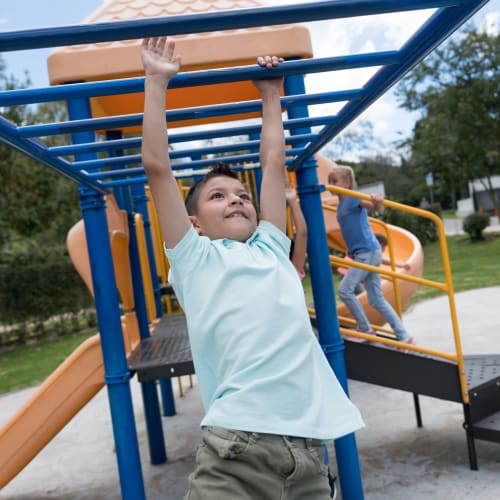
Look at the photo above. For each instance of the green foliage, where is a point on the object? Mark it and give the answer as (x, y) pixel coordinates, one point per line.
(35, 202)
(473, 265)
(424, 229)
(352, 139)
(456, 89)
(400, 181)
(474, 225)
(28, 365)
(39, 282)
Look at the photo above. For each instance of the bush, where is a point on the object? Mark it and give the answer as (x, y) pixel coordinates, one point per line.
(474, 225)
(38, 284)
(424, 229)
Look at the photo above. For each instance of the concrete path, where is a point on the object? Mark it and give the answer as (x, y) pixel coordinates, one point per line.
(398, 460)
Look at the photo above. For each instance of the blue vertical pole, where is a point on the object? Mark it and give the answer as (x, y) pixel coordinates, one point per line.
(157, 450)
(324, 298)
(117, 375)
(140, 204)
(120, 192)
(258, 171)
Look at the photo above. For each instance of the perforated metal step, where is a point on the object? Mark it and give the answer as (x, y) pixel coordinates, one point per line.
(166, 353)
(488, 429)
(481, 369)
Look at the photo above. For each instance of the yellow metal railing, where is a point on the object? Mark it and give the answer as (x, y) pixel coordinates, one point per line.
(446, 286)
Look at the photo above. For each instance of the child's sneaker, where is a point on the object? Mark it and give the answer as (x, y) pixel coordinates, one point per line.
(359, 339)
(355, 339)
(410, 340)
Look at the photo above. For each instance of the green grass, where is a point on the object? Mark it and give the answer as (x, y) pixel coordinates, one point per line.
(28, 365)
(473, 265)
(448, 214)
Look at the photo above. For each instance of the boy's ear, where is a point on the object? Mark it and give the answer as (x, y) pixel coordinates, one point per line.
(196, 223)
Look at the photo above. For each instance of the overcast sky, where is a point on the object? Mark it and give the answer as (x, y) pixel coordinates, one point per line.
(329, 38)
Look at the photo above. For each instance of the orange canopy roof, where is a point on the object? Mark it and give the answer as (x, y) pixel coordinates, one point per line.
(106, 61)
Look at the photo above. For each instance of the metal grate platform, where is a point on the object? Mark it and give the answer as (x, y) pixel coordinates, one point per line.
(166, 353)
(481, 369)
(488, 428)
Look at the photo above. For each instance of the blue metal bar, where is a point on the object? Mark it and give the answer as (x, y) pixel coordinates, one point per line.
(196, 78)
(39, 152)
(200, 112)
(324, 298)
(135, 143)
(134, 159)
(189, 173)
(141, 207)
(71, 149)
(206, 22)
(156, 440)
(150, 393)
(176, 154)
(167, 397)
(115, 364)
(108, 312)
(441, 25)
(121, 194)
(77, 109)
(194, 164)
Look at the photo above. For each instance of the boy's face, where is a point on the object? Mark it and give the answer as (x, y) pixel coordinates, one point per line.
(225, 210)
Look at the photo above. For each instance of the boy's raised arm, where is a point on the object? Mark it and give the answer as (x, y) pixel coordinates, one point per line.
(161, 66)
(272, 148)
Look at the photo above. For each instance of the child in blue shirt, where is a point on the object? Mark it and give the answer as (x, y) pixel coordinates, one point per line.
(362, 247)
(270, 396)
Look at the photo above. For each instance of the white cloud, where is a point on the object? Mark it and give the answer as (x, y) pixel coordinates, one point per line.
(357, 35)
(491, 23)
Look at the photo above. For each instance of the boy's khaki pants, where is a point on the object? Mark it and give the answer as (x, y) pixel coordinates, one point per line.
(235, 465)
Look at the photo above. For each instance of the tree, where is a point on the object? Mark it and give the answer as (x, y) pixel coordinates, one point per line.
(457, 90)
(35, 202)
(355, 139)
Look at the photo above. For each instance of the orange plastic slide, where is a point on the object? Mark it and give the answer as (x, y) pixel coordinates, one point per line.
(78, 379)
(406, 249)
(74, 383)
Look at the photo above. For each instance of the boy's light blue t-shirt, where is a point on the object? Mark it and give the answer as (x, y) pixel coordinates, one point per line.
(259, 366)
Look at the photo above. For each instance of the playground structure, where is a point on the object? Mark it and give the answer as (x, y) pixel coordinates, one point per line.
(109, 103)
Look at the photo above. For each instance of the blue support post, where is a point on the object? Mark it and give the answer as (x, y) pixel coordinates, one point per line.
(121, 192)
(156, 440)
(140, 204)
(117, 375)
(324, 298)
(258, 171)
(167, 397)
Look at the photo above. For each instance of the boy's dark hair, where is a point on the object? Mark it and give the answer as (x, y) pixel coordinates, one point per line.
(218, 170)
(381, 239)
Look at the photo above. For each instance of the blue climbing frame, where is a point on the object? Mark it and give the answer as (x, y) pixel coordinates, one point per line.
(122, 173)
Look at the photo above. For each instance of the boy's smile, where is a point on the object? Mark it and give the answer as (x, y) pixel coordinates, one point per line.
(225, 210)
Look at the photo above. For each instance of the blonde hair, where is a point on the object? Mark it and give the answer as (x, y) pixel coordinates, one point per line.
(345, 172)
